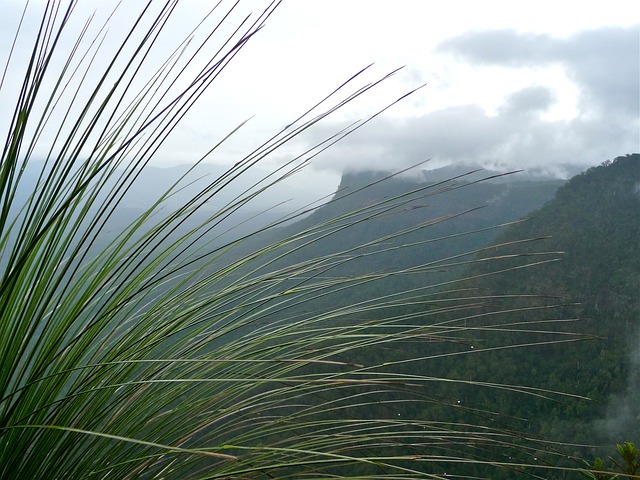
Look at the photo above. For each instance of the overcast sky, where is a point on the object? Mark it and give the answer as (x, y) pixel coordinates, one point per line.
(535, 85)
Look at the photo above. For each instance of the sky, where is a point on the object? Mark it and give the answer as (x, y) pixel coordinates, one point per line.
(550, 87)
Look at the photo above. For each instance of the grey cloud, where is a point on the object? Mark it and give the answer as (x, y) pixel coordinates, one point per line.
(604, 63)
(529, 100)
(468, 135)
(462, 133)
(500, 47)
(607, 64)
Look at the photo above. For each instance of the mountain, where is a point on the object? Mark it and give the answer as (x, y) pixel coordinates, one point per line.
(147, 186)
(595, 220)
(569, 326)
(381, 223)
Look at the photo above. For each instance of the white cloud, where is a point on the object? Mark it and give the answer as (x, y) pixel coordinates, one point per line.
(518, 85)
(520, 133)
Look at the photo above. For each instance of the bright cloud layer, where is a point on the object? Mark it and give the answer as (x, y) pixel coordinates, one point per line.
(602, 64)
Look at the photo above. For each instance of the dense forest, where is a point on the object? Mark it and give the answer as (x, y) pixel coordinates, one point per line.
(428, 225)
(504, 311)
(595, 221)
(562, 331)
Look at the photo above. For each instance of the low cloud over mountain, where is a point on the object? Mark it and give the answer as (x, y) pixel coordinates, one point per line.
(603, 65)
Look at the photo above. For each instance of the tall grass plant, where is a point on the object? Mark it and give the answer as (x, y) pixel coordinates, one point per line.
(163, 353)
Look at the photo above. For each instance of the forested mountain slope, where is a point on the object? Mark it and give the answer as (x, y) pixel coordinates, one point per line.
(433, 218)
(593, 226)
(595, 220)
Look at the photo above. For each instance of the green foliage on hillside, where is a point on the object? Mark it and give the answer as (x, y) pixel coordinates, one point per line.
(588, 269)
(595, 221)
(434, 226)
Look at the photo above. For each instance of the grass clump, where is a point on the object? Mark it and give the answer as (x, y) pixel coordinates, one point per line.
(161, 353)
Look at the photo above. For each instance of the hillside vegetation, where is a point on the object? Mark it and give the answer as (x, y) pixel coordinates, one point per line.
(587, 267)
(595, 221)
